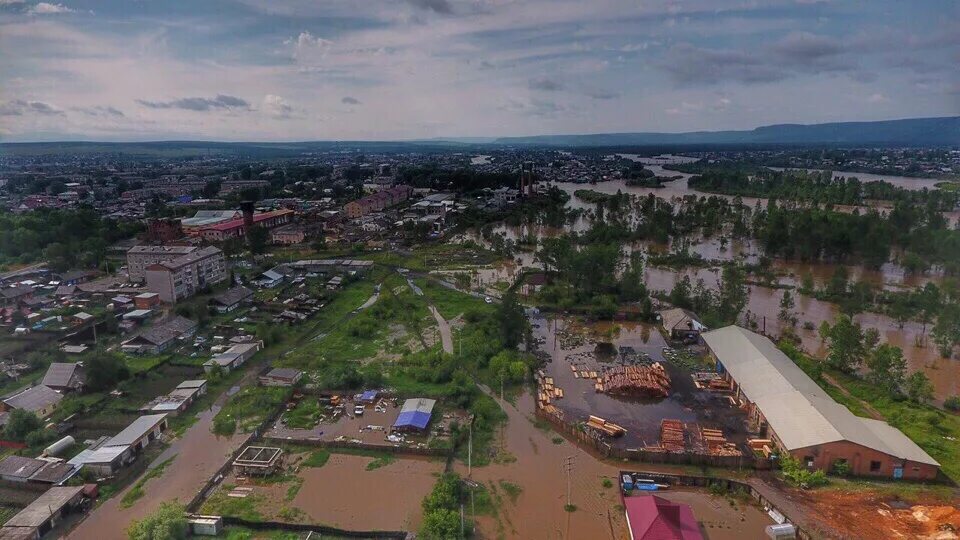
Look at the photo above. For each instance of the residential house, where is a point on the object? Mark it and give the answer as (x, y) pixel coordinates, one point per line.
(681, 324)
(231, 299)
(40, 400)
(160, 336)
(64, 377)
(654, 518)
(182, 277)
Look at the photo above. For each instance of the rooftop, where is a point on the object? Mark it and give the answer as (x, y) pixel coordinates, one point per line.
(137, 429)
(34, 398)
(60, 373)
(799, 411)
(39, 510)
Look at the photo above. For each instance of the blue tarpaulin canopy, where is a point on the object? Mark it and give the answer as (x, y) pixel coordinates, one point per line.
(415, 413)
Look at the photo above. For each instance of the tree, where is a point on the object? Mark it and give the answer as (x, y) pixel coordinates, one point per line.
(786, 309)
(887, 368)
(946, 332)
(105, 370)
(259, 237)
(847, 343)
(20, 424)
(441, 524)
(507, 367)
(919, 388)
(733, 295)
(512, 321)
(167, 523)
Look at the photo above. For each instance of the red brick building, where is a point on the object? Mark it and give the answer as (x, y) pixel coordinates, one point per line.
(786, 406)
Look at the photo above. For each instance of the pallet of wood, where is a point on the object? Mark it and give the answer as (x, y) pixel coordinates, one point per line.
(558, 392)
(672, 435)
(609, 428)
(649, 381)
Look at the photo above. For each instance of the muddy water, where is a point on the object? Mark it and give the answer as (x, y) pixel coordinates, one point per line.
(198, 454)
(344, 494)
(640, 417)
(764, 306)
(538, 512)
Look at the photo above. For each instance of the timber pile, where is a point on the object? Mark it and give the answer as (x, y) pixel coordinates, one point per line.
(609, 428)
(717, 444)
(644, 381)
(672, 435)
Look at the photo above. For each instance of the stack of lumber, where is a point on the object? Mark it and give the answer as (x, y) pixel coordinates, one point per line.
(717, 444)
(646, 381)
(609, 428)
(764, 446)
(672, 437)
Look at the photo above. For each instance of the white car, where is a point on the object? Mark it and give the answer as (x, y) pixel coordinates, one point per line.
(358, 410)
(487, 299)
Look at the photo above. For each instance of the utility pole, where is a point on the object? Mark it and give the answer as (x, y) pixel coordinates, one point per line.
(461, 521)
(470, 455)
(568, 465)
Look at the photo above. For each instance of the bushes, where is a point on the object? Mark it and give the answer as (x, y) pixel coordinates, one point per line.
(441, 518)
(952, 403)
(797, 474)
(167, 523)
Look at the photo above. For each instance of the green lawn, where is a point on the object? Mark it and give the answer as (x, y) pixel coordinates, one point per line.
(451, 303)
(248, 408)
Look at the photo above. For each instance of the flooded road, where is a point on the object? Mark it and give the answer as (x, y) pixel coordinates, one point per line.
(538, 512)
(197, 455)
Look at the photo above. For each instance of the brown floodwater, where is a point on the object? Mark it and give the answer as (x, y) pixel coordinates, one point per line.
(344, 494)
(197, 455)
(538, 470)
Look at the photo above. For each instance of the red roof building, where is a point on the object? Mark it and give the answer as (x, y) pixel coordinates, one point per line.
(654, 518)
(236, 227)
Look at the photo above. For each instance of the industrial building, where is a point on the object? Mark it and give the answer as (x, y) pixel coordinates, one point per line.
(786, 406)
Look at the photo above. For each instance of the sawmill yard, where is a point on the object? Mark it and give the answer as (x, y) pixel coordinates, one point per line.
(628, 387)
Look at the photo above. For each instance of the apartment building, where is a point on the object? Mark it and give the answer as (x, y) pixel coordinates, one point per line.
(140, 257)
(180, 278)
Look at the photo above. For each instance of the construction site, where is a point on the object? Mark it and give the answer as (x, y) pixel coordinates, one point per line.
(623, 386)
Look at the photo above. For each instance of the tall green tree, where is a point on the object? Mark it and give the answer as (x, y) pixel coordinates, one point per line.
(946, 331)
(847, 343)
(512, 321)
(887, 368)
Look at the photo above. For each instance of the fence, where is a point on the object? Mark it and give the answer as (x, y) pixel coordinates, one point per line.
(607, 450)
(728, 485)
(399, 450)
(322, 529)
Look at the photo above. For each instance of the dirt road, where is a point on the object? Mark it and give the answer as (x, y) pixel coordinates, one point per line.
(446, 338)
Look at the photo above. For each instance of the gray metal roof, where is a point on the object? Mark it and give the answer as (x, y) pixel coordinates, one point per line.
(419, 405)
(233, 296)
(137, 429)
(60, 373)
(20, 467)
(39, 510)
(171, 329)
(34, 398)
(800, 412)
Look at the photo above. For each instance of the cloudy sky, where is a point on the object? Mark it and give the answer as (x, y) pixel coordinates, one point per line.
(401, 69)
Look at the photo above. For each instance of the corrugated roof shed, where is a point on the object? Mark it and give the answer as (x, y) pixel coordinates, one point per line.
(137, 429)
(799, 411)
(59, 374)
(39, 510)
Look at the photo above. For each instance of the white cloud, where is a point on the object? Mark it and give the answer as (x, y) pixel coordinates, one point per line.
(877, 97)
(46, 8)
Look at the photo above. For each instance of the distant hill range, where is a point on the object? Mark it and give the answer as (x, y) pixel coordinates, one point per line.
(909, 132)
(912, 132)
